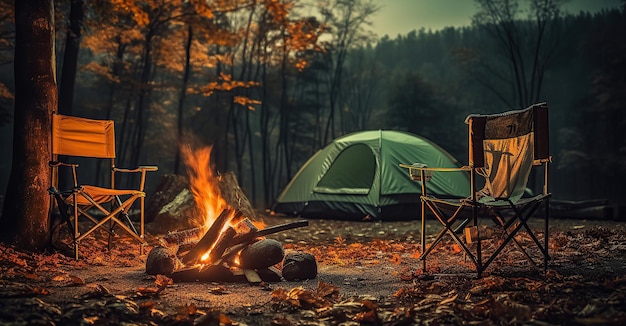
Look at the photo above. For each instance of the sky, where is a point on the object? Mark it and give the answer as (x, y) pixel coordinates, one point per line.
(402, 16)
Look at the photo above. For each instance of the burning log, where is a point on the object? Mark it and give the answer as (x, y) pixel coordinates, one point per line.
(256, 255)
(208, 239)
(231, 252)
(245, 226)
(241, 241)
(210, 273)
(249, 237)
(222, 243)
(182, 238)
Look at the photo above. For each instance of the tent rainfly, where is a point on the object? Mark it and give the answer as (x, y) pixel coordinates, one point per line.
(358, 177)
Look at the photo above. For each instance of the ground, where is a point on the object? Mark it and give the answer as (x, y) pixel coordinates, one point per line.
(368, 274)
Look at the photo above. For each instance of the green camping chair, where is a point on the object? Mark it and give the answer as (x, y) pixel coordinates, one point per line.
(503, 148)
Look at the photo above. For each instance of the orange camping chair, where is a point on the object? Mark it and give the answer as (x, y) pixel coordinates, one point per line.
(80, 137)
(503, 149)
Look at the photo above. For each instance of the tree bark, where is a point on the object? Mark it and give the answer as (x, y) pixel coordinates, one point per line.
(181, 98)
(70, 58)
(24, 220)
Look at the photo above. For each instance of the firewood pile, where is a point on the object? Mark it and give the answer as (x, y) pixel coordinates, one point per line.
(231, 249)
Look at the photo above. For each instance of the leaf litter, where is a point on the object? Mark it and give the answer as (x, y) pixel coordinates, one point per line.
(368, 275)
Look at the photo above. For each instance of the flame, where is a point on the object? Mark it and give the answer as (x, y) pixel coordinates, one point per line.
(204, 184)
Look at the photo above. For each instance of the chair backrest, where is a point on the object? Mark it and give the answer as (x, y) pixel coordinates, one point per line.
(75, 136)
(504, 147)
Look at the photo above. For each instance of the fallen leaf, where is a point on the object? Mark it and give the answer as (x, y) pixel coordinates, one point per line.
(448, 300)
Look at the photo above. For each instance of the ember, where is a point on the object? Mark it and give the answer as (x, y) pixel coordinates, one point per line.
(227, 246)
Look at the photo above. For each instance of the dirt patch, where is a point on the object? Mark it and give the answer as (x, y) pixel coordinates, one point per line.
(368, 274)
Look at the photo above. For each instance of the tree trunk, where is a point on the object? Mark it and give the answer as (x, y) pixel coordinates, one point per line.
(24, 220)
(70, 58)
(181, 98)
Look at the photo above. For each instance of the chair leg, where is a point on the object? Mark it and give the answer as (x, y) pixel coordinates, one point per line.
(522, 216)
(110, 240)
(142, 205)
(546, 256)
(76, 231)
(423, 235)
(501, 222)
(448, 228)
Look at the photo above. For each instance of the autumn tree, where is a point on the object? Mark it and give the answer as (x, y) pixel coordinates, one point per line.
(70, 57)
(346, 21)
(362, 86)
(528, 46)
(141, 52)
(7, 37)
(283, 41)
(602, 145)
(24, 218)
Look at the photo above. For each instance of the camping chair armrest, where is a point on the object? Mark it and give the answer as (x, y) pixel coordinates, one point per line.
(542, 161)
(57, 163)
(143, 169)
(418, 171)
(462, 168)
(138, 169)
(437, 169)
(55, 166)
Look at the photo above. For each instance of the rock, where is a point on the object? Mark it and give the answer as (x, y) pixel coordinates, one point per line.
(179, 214)
(299, 266)
(162, 260)
(172, 207)
(270, 274)
(262, 254)
(169, 186)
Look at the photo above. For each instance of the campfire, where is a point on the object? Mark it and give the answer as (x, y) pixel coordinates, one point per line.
(227, 245)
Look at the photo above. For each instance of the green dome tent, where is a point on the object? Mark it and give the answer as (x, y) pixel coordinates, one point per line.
(358, 176)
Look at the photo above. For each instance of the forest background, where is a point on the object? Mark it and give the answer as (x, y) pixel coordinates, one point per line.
(267, 84)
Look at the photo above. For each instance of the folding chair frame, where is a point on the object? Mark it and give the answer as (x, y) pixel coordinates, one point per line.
(81, 201)
(453, 222)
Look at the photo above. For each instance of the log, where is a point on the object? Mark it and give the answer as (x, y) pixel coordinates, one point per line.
(252, 276)
(282, 227)
(220, 246)
(234, 195)
(182, 238)
(261, 254)
(249, 237)
(231, 252)
(245, 226)
(241, 241)
(209, 238)
(162, 260)
(299, 266)
(209, 273)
